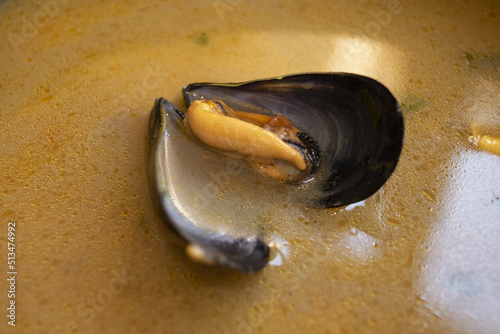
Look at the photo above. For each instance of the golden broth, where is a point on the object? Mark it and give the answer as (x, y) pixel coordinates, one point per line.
(77, 84)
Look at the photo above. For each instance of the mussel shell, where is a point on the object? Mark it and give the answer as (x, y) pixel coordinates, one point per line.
(247, 254)
(355, 120)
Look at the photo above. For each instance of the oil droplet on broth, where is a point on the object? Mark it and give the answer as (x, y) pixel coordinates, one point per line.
(393, 221)
(430, 194)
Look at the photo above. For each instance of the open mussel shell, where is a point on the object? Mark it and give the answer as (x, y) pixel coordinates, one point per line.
(247, 254)
(355, 120)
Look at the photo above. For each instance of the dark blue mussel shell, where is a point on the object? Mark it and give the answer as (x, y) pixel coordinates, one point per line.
(244, 254)
(355, 120)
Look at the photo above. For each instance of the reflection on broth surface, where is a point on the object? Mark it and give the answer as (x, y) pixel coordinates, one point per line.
(77, 84)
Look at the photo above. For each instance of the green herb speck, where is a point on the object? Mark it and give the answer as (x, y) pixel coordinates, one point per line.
(470, 60)
(202, 39)
(412, 103)
(482, 61)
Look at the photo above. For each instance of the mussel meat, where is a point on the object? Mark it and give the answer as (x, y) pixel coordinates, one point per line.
(270, 143)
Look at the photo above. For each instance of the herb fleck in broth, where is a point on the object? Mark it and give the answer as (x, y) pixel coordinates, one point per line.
(77, 85)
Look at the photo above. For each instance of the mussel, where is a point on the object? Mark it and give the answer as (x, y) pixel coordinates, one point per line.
(347, 129)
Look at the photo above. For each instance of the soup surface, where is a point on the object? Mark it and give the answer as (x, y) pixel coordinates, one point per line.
(77, 82)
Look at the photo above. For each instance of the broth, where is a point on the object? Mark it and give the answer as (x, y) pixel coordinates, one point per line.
(77, 84)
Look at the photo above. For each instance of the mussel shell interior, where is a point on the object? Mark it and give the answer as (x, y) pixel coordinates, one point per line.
(355, 120)
(175, 205)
